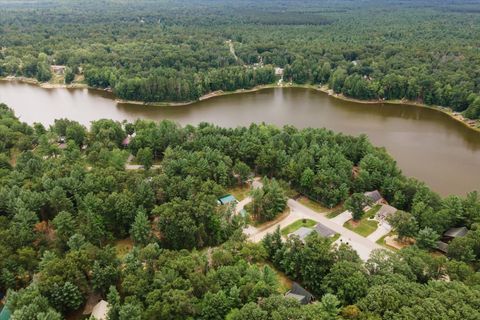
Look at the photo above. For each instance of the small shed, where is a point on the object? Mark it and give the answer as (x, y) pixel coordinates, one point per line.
(100, 310)
(279, 71)
(324, 231)
(227, 199)
(455, 233)
(374, 196)
(300, 294)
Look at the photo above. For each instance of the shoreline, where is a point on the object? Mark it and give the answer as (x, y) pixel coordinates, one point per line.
(324, 89)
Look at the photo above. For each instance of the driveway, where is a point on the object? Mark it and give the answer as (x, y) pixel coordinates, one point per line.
(362, 245)
(382, 230)
(342, 218)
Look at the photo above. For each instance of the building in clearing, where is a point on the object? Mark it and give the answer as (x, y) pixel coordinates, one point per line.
(301, 233)
(60, 70)
(227, 199)
(279, 71)
(375, 197)
(300, 294)
(324, 231)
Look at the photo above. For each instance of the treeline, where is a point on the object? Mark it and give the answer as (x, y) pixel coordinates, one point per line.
(154, 51)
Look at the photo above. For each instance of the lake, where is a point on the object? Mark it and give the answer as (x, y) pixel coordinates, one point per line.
(427, 144)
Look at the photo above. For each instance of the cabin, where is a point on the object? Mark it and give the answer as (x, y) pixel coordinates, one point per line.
(300, 294)
(453, 233)
(449, 235)
(375, 197)
(384, 212)
(59, 70)
(279, 71)
(227, 199)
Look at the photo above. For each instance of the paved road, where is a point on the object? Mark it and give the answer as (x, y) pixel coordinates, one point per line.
(298, 211)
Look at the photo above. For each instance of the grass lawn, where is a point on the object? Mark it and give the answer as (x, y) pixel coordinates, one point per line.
(307, 223)
(315, 206)
(364, 227)
(239, 193)
(336, 211)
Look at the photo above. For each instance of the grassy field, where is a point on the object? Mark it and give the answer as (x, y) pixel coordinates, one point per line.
(307, 223)
(364, 227)
(336, 211)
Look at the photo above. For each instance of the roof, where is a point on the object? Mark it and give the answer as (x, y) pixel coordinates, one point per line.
(324, 231)
(456, 232)
(385, 211)
(227, 199)
(374, 195)
(5, 314)
(299, 293)
(301, 233)
(100, 311)
(442, 246)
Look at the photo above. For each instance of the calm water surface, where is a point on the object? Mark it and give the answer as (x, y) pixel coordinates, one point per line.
(427, 144)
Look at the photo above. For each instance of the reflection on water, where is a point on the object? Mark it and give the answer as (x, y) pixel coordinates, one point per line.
(427, 144)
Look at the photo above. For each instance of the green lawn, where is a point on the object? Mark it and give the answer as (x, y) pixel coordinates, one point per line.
(335, 212)
(364, 227)
(307, 223)
(315, 206)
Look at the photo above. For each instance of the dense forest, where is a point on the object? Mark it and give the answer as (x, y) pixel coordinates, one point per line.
(174, 50)
(67, 202)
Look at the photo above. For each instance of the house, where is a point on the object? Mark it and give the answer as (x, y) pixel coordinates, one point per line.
(302, 233)
(100, 310)
(375, 197)
(279, 71)
(453, 233)
(60, 70)
(324, 231)
(227, 199)
(300, 294)
(384, 212)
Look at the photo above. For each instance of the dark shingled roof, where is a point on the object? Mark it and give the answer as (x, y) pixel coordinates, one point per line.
(324, 231)
(300, 294)
(442, 246)
(456, 232)
(374, 195)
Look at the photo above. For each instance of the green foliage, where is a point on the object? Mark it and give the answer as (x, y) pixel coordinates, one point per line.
(268, 201)
(355, 203)
(145, 157)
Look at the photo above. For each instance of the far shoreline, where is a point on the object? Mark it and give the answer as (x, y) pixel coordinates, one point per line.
(324, 89)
